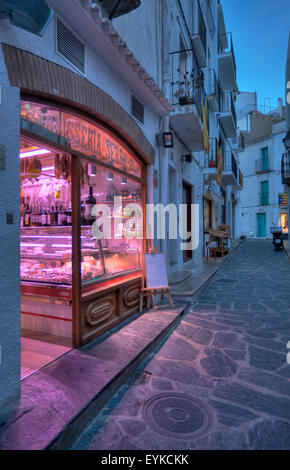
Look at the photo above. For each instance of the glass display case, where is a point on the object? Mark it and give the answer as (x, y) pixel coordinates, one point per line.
(46, 255)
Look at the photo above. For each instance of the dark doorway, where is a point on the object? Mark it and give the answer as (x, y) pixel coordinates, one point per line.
(187, 199)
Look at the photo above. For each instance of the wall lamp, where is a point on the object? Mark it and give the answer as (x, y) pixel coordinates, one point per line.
(286, 140)
(168, 140)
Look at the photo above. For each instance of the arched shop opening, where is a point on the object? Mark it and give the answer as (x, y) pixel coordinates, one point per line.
(76, 286)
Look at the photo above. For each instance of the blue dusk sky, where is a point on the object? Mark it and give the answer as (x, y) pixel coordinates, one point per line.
(260, 30)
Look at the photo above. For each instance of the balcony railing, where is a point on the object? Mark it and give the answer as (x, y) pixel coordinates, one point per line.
(225, 45)
(201, 28)
(213, 87)
(264, 198)
(230, 164)
(186, 79)
(238, 143)
(209, 16)
(211, 159)
(263, 165)
(227, 105)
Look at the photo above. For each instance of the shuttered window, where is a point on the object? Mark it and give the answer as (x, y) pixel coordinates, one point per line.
(137, 110)
(70, 47)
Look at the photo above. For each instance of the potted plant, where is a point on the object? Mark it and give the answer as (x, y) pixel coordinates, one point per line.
(184, 93)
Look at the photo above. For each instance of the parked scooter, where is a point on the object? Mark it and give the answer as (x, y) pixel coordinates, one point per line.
(277, 237)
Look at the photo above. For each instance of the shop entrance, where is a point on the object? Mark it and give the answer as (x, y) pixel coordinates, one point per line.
(81, 270)
(46, 255)
(284, 222)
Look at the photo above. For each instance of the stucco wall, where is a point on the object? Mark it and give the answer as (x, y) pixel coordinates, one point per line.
(9, 243)
(97, 71)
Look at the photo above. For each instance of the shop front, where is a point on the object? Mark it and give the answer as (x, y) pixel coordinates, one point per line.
(82, 205)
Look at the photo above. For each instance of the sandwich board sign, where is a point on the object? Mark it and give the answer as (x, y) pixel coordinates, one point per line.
(156, 276)
(156, 271)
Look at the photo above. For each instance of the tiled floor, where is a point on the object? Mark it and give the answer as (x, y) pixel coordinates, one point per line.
(39, 349)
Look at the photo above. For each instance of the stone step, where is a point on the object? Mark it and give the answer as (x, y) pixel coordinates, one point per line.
(61, 399)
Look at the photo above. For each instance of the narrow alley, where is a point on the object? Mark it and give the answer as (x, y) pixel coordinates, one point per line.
(221, 380)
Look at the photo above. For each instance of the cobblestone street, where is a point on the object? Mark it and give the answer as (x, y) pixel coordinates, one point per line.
(229, 352)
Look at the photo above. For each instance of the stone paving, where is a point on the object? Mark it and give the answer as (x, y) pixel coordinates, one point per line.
(230, 352)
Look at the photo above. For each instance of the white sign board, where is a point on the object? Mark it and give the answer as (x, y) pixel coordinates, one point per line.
(156, 271)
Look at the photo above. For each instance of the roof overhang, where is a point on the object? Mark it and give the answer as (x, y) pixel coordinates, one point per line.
(88, 20)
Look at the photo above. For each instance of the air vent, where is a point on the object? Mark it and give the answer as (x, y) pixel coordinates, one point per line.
(137, 110)
(70, 47)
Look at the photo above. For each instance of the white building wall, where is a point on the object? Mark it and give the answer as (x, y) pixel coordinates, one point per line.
(152, 31)
(250, 202)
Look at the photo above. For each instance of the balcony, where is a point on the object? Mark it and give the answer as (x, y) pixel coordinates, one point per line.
(213, 92)
(31, 16)
(263, 165)
(210, 169)
(264, 198)
(230, 169)
(240, 181)
(227, 116)
(285, 167)
(227, 62)
(186, 86)
(199, 38)
(115, 9)
(238, 143)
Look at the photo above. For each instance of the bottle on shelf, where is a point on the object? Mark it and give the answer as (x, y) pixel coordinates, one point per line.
(83, 211)
(39, 217)
(48, 221)
(32, 217)
(61, 215)
(43, 217)
(69, 217)
(52, 217)
(27, 216)
(56, 215)
(89, 204)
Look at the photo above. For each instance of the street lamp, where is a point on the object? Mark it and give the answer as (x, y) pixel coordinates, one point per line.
(286, 140)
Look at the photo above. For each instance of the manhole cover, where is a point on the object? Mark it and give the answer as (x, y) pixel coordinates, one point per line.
(177, 415)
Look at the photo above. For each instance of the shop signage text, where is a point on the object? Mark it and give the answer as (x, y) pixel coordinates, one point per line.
(82, 136)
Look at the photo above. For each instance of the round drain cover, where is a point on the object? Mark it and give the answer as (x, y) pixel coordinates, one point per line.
(177, 415)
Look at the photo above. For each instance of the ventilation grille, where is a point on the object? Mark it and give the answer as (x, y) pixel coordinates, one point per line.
(70, 47)
(137, 110)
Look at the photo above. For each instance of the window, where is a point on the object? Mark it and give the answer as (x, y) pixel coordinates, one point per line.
(113, 246)
(137, 110)
(264, 199)
(264, 159)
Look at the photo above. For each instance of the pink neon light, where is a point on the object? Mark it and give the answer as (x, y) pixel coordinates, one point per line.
(32, 244)
(47, 168)
(34, 153)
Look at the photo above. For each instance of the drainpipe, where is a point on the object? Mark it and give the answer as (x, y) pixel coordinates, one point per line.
(229, 207)
(164, 153)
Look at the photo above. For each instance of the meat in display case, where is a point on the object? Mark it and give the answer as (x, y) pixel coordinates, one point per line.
(46, 256)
